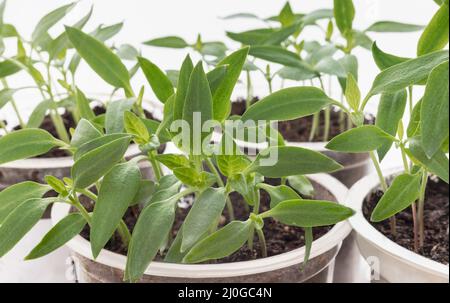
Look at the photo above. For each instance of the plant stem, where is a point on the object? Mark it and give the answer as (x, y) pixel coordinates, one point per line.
(326, 132)
(214, 170)
(262, 242)
(413, 205)
(249, 91)
(314, 127)
(124, 233)
(155, 165)
(14, 105)
(420, 213)
(384, 187)
(76, 203)
(410, 99)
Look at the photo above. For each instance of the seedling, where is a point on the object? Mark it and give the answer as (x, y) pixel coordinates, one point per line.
(99, 163)
(424, 143)
(52, 67)
(312, 61)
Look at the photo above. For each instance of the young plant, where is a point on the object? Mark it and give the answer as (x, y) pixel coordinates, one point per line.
(312, 61)
(52, 67)
(424, 143)
(99, 164)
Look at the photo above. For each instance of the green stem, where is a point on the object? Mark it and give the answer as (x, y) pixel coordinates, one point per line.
(410, 99)
(420, 213)
(14, 105)
(315, 125)
(249, 91)
(124, 233)
(262, 242)
(384, 187)
(76, 203)
(155, 165)
(326, 133)
(214, 170)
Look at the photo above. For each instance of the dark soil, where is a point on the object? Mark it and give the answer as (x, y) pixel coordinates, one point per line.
(280, 238)
(436, 222)
(69, 123)
(298, 130)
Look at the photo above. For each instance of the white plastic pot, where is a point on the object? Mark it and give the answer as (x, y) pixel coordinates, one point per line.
(109, 266)
(390, 261)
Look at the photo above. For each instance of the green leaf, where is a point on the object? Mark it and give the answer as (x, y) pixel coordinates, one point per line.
(48, 21)
(170, 42)
(84, 133)
(277, 162)
(309, 213)
(216, 76)
(302, 185)
(434, 112)
(350, 65)
(83, 107)
(361, 39)
(318, 14)
(330, 66)
(161, 85)
(198, 100)
(60, 234)
(145, 193)
(94, 164)
(240, 16)
(173, 161)
(95, 143)
(14, 195)
(437, 165)
(134, 126)
(114, 118)
(414, 121)
(408, 73)
(192, 177)
(288, 104)
(9, 67)
(25, 143)
(150, 232)
(251, 37)
(222, 95)
(384, 60)
(20, 221)
(279, 55)
(296, 73)
(360, 140)
(119, 187)
(168, 186)
(56, 184)
(37, 116)
(404, 190)
(127, 52)
(352, 92)
(279, 193)
(100, 58)
(281, 35)
(230, 160)
(286, 16)
(205, 210)
(344, 13)
(220, 244)
(61, 43)
(390, 111)
(183, 83)
(5, 95)
(435, 35)
(393, 27)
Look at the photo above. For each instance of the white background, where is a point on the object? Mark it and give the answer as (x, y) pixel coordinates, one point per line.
(186, 18)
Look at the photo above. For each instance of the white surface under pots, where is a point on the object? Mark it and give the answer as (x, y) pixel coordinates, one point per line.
(390, 261)
(280, 267)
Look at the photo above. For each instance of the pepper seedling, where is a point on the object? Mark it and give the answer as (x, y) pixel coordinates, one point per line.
(99, 163)
(52, 67)
(424, 143)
